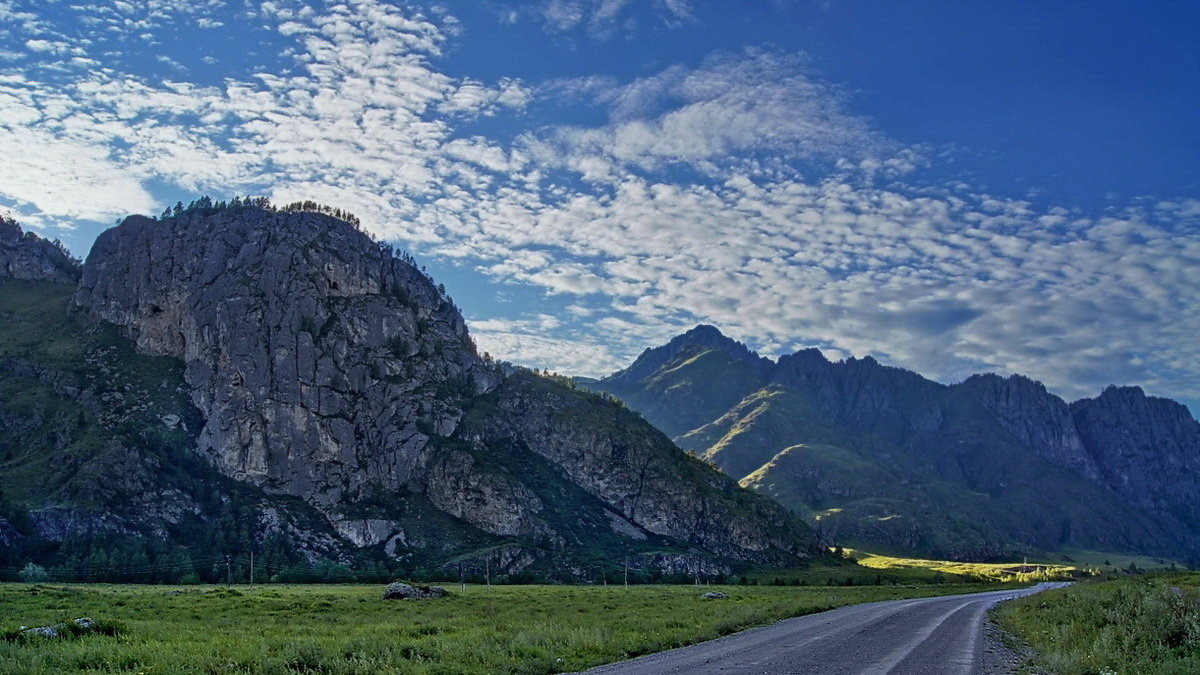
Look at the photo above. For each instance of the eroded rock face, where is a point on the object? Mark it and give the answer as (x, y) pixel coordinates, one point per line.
(24, 255)
(1148, 447)
(1036, 418)
(648, 485)
(321, 362)
(326, 368)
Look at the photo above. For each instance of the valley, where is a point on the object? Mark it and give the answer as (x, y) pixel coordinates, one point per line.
(349, 629)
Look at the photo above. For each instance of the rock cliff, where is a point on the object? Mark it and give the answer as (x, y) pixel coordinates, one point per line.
(1147, 449)
(322, 363)
(325, 368)
(26, 256)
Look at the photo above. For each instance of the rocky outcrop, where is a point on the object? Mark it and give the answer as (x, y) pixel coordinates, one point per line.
(399, 590)
(647, 483)
(859, 392)
(322, 363)
(24, 255)
(1036, 418)
(1147, 448)
(327, 368)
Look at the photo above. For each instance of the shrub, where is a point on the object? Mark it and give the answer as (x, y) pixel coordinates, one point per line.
(32, 574)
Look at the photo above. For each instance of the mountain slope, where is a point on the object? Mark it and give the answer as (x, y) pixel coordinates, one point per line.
(881, 457)
(334, 387)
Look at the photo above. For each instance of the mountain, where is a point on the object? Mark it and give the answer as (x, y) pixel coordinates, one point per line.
(883, 458)
(24, 255)
(235, 377)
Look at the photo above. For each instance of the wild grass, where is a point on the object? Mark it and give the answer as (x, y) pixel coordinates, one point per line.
(350, 629)
(1144, 624)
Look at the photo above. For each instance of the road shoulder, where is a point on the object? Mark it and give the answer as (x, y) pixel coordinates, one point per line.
(1003, 653)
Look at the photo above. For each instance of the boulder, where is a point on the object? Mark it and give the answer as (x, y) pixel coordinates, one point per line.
(81, 625)
(402, 591)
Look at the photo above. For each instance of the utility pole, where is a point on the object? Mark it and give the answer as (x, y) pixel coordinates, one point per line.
(251, 569)
(487, 570)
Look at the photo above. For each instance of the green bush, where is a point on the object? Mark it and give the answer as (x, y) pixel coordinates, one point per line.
(33, 574)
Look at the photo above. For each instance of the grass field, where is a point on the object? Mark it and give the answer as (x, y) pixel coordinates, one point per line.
(1013, 571)
(1144, 625)
(349, 629)
(872, 569)
(1113, 562)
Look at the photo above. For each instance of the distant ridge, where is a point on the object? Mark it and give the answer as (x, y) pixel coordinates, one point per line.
(880, 456)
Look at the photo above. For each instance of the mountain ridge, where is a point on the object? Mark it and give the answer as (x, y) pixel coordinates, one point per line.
(948, 437)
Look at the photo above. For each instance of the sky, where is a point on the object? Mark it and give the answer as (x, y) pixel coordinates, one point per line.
(951, 187)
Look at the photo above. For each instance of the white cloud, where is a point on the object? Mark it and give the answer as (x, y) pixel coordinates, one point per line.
(761, 110)
(363, 115)
(742, 192)
(532, 340)
(601, 18)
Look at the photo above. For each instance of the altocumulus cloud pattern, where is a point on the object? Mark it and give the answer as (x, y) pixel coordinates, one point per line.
(597, 212)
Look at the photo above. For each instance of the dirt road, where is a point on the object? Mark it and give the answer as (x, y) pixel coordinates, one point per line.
(926, 636)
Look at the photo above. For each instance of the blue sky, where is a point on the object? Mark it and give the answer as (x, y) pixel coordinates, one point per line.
(952, 187)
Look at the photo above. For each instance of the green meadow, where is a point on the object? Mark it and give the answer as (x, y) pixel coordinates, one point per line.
(350, 629)
(1143, 625)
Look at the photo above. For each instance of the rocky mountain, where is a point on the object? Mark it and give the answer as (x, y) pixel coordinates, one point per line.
(1147, 449)
(24, 255)
(277, 372)
(883, 458)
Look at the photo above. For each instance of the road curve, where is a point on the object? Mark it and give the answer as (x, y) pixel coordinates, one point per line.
(926, 636)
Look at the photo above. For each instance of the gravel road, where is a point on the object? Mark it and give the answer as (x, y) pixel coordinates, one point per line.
(927, 636)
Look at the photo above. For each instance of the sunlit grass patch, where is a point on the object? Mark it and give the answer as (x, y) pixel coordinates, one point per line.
(1023, 571)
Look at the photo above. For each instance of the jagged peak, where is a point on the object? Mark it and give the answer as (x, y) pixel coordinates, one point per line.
(701, 336)
(804, 359)
(707, 335)
(1124, 391)
(1014, 381)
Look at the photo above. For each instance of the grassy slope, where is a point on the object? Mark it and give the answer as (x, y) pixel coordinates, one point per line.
(680, 398)
(1144, 625)
(966, 491)
(348, 629)
(572, 510)
(860, 568)
(92, 389)
(858, 500)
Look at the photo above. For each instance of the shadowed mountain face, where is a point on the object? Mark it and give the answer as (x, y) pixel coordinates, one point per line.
(24, 255)
(327, 386)
(881, 457)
